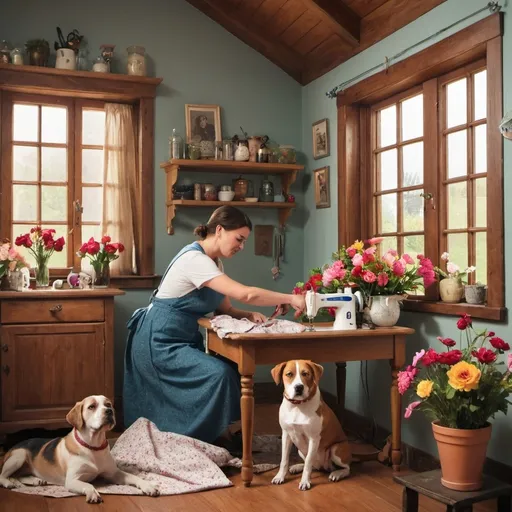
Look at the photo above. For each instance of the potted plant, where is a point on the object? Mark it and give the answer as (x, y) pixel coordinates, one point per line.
(475, 293)
(38, 51)
(384, 280)
(451, 282)
(460, 390)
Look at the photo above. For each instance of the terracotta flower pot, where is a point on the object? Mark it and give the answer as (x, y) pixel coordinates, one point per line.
(462, 456)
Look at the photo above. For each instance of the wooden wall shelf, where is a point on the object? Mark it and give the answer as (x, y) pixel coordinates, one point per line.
(287, 172)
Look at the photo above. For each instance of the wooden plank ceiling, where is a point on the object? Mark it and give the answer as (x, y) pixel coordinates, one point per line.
(308, 38)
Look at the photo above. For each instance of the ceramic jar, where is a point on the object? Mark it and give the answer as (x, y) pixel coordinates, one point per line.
(240, 186)
(475, 293)
(136, 64)
(242, 151)
(66, 59)
(385, 310)
(451, 289)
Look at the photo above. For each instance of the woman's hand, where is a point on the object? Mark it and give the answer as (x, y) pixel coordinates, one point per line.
(298, 303)
(256, 317)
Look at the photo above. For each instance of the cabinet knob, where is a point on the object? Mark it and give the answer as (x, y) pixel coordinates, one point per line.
(5, 347)
(56, 308)
(6, 369)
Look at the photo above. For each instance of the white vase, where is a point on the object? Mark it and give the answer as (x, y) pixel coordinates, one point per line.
(451, 289)
(385, 310)
(66, 59)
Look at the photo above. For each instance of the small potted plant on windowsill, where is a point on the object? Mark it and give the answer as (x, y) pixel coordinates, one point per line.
(38, 51)
(451, 282)
(475, 293)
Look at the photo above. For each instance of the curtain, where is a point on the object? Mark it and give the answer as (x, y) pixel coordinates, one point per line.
(120, 185)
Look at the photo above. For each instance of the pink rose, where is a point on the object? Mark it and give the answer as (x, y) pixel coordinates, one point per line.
(452, 268)
(417, 358)
(369, 276)
(388, 259)
(382, 279)
(411, 408)
(375, 240)
(351, 252)
(357, 260)
(398, 268)
(408, 259)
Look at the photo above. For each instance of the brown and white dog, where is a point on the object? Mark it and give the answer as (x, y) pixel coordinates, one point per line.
(74, 460)
(308, 423)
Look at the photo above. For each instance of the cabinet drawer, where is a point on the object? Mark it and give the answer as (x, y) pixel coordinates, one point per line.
(49, 311)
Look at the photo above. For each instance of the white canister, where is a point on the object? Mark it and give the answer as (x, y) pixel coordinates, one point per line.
(100, 66)
(66, 59)
(136, 64)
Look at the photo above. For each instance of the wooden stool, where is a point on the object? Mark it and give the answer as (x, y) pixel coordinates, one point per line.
(429, 484)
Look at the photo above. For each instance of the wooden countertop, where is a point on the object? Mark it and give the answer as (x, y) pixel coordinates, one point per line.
(67, 293)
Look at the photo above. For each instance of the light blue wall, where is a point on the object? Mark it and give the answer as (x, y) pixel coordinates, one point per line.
(199, 62)
(321, 225)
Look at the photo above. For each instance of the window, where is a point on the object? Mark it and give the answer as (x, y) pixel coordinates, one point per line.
(51, 154)
(417, 161)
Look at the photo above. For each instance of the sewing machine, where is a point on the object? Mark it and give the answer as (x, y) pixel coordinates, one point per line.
(346, 304)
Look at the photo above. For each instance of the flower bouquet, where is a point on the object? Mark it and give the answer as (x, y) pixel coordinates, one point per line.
(41, 243)
(460, 390)
(11, 262)
(100, 255)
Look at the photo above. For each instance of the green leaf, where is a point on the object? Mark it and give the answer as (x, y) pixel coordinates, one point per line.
(474, 408)
(450, 392)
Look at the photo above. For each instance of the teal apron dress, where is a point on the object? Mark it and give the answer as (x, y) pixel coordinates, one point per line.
(168, 377)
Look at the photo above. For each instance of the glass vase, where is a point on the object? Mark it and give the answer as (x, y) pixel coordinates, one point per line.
(101, 277)
(42, 275)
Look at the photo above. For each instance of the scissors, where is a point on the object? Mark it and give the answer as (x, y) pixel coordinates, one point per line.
(73, 39)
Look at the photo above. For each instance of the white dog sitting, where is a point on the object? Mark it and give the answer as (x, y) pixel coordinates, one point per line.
(74, 460)
(308, 423)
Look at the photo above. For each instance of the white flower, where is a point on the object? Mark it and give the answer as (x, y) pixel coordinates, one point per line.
(445, 256)
(452, 268)
(470, 269)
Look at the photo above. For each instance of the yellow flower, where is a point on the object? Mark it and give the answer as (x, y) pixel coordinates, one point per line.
(463, 376)
(424, 388)
(357, 245)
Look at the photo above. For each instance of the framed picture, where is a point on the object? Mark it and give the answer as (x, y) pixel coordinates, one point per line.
(202, 122)
(321, 146)
(322, 192)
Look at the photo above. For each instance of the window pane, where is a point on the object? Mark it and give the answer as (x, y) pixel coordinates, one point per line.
(480, 88)
(413, 211)
(481, 203)
(54, 164)
(456, 100)
(54, 205)
(24, 163)
(92, 166)
(480, 148)
(412, 164)
(412, 118)
(388, 211)
(481, 258)
(58, 259)
(25, 122)
(389, 242)
(458, 249)
(388, 166)
(93, 127)
(54, 124)
(24, 199)
(387, 127)
(414, 245)
(92, 200)
(457, 148)
(457, 206)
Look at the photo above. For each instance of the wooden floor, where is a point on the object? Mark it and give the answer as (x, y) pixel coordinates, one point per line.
(369, 488)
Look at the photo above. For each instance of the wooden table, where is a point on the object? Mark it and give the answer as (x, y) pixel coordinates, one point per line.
(322, 345)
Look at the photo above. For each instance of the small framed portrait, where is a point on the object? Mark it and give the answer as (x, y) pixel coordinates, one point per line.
(321, 145)
(202, 123)
(322, 187)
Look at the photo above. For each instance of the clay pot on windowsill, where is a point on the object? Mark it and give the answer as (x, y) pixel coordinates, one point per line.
(451, 290)
(475, 293)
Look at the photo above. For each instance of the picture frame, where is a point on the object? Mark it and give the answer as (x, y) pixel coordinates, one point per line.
(322, 187)
(202, 123)
(321, 143)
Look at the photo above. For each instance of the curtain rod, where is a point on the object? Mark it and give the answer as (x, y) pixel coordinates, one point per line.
(492, 6)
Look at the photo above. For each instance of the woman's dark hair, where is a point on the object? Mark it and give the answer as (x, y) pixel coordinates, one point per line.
(229, 217)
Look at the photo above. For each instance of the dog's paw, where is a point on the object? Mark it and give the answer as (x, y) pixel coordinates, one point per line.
(278, 479)
(339, 474)
(305, 485)
(32, 481)
(296, 468)
(6, 483)
(149, 489)
(92, 496)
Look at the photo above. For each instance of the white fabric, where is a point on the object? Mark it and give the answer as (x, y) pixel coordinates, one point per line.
(189, 272)
(225, 324)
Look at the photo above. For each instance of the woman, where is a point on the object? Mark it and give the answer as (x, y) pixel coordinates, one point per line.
(168, 377)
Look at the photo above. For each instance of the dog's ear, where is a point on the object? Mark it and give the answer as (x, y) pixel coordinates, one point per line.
(277, 372)
(74, 417)
(317, 371)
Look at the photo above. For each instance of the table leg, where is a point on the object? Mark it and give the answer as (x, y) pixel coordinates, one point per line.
(397, 363)
(341, 384)
(247, 407)
(409, 500)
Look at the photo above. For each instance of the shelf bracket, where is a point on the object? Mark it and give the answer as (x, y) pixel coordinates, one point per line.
(172, 177)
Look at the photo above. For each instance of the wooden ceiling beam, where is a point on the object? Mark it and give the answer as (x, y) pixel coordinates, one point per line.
(256, 37)
(344, 20)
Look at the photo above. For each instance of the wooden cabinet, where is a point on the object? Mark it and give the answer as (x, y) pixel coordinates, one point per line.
(56, 347)
(287, 173)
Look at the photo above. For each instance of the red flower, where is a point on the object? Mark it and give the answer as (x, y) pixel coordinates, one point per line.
(368, 258)
(296, 291)
(105, 239)
(120, 247)
(315, 281)
(398, 268)
(356, 271)
(369, 276)
(447, 341)
(110, 248)
(430, 357)
(332, 311)
(490, 334)
(464, 321)
(24, 240)
(450, 358)
(83, 249)
(484, 355)
(93, 247)
(351, 252)
(382, 279)
(499, 344)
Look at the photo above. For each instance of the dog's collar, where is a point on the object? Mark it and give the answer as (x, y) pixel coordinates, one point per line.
(80, 441)
(297, 402)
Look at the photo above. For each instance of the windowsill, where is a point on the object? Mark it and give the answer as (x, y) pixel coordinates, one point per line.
(127, 282)
(445, 308)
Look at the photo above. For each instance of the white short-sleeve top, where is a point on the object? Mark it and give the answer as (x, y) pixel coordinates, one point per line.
(189, 272)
